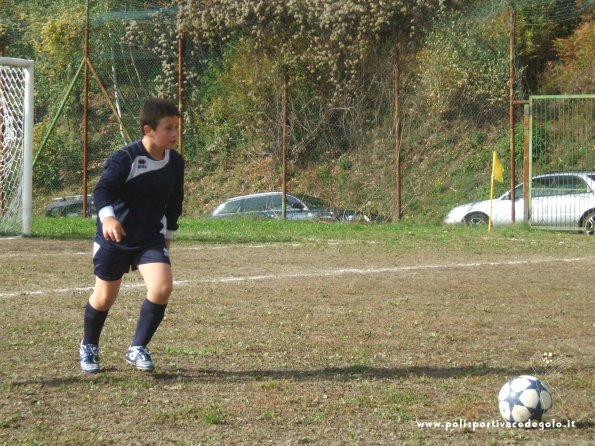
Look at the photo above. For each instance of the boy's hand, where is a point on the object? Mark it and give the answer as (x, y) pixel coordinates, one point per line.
(112, 229)
(167, 243)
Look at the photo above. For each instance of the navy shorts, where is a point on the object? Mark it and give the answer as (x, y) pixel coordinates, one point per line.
(112, 264)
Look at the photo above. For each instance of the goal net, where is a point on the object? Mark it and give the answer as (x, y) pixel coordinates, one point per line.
(16, 145)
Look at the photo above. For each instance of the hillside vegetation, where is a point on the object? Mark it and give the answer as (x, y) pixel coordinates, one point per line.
(335, 63)
(453, 79)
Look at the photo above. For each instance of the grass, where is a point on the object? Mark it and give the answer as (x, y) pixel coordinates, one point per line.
(65, 228)
(306, 345)
(213, 414)
(273, 231)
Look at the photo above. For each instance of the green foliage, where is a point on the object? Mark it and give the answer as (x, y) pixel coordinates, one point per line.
(46, 174)
(61, 163)
(502, 146)
(60, 38)
(538, 26)
(561, 134)
(339, 58)
(325, 49)
(236, 95)
(324, 173)
(463, 70)
(345, 162)
(573, 72)
(330, 39)
(3, 36)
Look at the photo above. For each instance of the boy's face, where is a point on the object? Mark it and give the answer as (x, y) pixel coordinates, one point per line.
(165, 136)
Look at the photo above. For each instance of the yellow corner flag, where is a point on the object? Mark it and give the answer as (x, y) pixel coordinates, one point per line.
(498, 175)
(497, 169)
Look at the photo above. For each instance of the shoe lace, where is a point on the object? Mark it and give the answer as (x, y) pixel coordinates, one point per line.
(142, 353)
(91, 350)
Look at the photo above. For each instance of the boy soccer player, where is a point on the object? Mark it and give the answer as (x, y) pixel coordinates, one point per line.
(139, 200)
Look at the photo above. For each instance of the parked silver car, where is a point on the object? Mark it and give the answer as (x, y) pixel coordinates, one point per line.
(70, 206)
(561, 200)
(298, 207)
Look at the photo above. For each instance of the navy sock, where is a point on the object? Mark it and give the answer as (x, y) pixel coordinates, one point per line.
(149, 319)
(93, 324)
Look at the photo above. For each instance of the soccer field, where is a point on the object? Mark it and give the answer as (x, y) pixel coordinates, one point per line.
(311, 342)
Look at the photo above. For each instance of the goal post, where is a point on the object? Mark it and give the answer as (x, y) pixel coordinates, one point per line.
(16, 145)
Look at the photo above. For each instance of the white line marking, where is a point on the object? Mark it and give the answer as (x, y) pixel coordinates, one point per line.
(394, 269)
(45, 254)
(316, 273)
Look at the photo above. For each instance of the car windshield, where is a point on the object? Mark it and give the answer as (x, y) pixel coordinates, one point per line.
(558, 185)
(552, 185)
(229, 207)
(276, 203)
(255, 204)
(313, 202)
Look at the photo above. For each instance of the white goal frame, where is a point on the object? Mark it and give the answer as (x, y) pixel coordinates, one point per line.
(26, 111)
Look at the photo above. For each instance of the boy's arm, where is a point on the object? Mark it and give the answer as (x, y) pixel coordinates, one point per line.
(111, 183)
(107, 190)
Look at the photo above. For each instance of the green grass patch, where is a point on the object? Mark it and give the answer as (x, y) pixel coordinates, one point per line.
(64, 227)
(213, 414)
(272, 231)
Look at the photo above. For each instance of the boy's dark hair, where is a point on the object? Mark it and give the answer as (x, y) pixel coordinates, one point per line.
(155, 109)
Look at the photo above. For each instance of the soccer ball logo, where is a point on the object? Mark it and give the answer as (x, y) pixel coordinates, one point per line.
(524, 398)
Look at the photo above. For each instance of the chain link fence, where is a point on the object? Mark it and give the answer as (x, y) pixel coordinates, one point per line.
(454, 94)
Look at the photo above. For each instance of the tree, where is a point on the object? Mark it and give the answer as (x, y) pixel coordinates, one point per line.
(324, 47)
(331, 39)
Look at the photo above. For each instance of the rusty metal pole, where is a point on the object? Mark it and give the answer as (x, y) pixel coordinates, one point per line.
(511, 85)
(397, 128)
(526, 161)
(107, 99)
(86, 111)
(284, 134)
(180, 92)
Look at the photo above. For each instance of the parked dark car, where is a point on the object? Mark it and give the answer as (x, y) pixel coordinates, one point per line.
(70, 206)
(298, 207)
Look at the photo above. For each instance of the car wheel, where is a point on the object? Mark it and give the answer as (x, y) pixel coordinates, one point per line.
(476, 219)
(589, 223)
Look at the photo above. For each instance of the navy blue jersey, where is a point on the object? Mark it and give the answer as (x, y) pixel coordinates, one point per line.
(144, 194)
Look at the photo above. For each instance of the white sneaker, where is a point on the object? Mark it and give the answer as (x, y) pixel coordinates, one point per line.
(139, 356)
(89, 358)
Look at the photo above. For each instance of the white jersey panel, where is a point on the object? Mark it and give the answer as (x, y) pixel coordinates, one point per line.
(145, 164)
